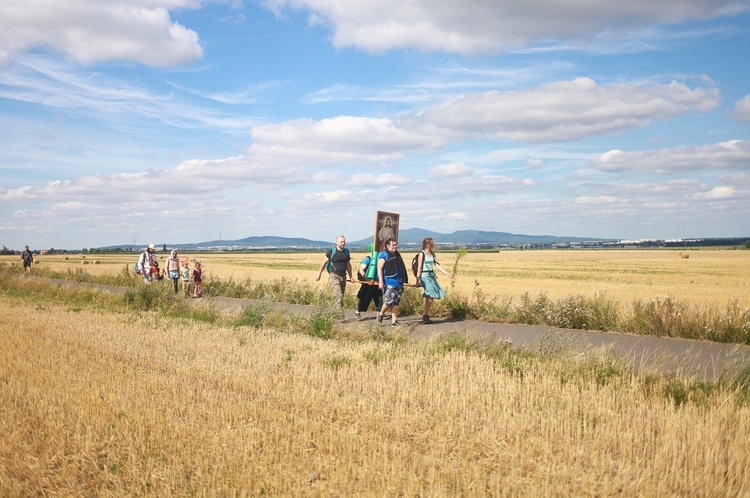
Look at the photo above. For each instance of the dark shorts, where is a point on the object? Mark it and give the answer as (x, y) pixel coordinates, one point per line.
(392, 295)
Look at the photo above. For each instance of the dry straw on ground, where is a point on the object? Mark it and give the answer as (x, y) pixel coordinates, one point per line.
(94, 403)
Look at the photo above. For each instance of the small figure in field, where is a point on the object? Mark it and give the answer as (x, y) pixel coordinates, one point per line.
(172, 268)
(339, 264)
(426, 277)
(197, 278)
(156, 271)
(368, 273)
(28, 259)
(391, 279)
(185, 274)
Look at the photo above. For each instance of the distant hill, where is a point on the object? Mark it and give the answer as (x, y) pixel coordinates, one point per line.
(407, 237)
(268, 241)
(414, 236)
(262, 242)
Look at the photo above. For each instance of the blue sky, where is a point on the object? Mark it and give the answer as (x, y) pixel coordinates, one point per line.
(177, 121)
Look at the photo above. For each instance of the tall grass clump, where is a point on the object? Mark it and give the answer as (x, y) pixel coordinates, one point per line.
(320, 323)
(239, 289)
(254, 315)
(669, 317)
(575, 312)
(148, 298)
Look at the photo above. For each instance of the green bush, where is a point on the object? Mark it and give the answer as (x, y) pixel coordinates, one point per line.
(254, 315)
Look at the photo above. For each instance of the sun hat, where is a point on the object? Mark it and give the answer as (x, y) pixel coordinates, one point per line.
(151, 246)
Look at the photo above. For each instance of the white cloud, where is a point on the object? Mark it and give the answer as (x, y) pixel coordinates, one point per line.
(567, 110)
(721, 193)
(452, 169)
(89, 31)
(488, 25)
(343, 139)
(741, 109)
(734, 154)
(602, 199)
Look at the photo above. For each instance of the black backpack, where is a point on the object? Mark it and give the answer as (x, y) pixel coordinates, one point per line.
(415, 262)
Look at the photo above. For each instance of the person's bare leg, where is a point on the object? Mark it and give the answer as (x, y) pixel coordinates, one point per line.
(427, 306)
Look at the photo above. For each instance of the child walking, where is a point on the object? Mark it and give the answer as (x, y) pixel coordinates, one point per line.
(185, 274)
(197, 277)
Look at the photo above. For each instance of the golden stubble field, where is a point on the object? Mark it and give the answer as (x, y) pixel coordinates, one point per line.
(709, 277)
(98, 403)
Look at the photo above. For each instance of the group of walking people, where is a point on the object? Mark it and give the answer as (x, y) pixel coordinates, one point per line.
(383, 276)
(174, 269)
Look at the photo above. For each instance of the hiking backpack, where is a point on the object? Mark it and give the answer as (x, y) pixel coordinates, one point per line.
(138, 268)
(333, 253)
(415, 262)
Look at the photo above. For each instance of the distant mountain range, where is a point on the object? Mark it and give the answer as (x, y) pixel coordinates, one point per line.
(406, 238)
(414, 236)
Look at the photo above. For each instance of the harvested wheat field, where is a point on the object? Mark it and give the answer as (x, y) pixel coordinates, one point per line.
(104, 403)
(709, 277)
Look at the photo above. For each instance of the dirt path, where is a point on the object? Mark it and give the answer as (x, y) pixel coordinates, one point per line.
(701, 359)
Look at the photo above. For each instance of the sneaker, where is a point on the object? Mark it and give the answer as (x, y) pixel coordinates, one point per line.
(379, 318)
(426, 319)
(357, 315)
(395, 324)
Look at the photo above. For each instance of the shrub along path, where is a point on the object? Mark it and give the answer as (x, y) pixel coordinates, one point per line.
(702, 359)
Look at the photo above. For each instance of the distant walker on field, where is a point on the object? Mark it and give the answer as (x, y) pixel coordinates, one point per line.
(28, 258)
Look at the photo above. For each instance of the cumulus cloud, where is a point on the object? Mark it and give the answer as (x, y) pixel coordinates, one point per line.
(451, 170)
(734, 154)
(343, 139)
(741, 109)
(189, 180)
(721, 193)
(487, 25)
(567, 110)
(89, 31)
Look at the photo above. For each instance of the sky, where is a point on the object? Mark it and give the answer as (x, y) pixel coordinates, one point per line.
(183, 121)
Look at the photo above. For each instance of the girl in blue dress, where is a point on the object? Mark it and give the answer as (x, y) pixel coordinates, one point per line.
(426, 276)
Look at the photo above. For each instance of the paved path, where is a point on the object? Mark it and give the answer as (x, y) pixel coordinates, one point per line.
(702, 359)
